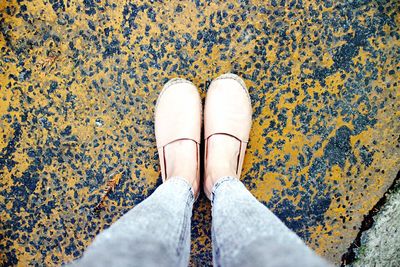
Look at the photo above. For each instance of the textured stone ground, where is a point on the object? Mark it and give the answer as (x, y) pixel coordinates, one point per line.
(380, 245)
(78, 83)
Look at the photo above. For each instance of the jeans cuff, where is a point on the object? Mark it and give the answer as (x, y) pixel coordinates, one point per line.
(179, 179)
(219, 182)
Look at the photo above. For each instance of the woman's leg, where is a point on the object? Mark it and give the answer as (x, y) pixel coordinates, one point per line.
(157, 231)
(154, 233)
(246, 233)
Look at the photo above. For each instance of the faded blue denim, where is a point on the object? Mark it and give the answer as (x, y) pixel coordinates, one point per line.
(157, 232)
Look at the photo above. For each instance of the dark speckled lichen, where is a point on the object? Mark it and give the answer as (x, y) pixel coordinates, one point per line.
(339, 150)
(6, 156)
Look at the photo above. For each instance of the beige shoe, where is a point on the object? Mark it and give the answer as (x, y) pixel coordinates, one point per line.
(227, 112)
(178, 117)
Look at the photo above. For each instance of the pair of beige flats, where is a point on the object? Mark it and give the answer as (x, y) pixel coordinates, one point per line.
(178, 116)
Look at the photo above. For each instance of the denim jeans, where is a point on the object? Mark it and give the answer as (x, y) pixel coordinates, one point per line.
(157, 232)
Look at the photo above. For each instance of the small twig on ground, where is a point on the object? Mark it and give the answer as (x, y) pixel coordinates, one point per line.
(115, 177)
